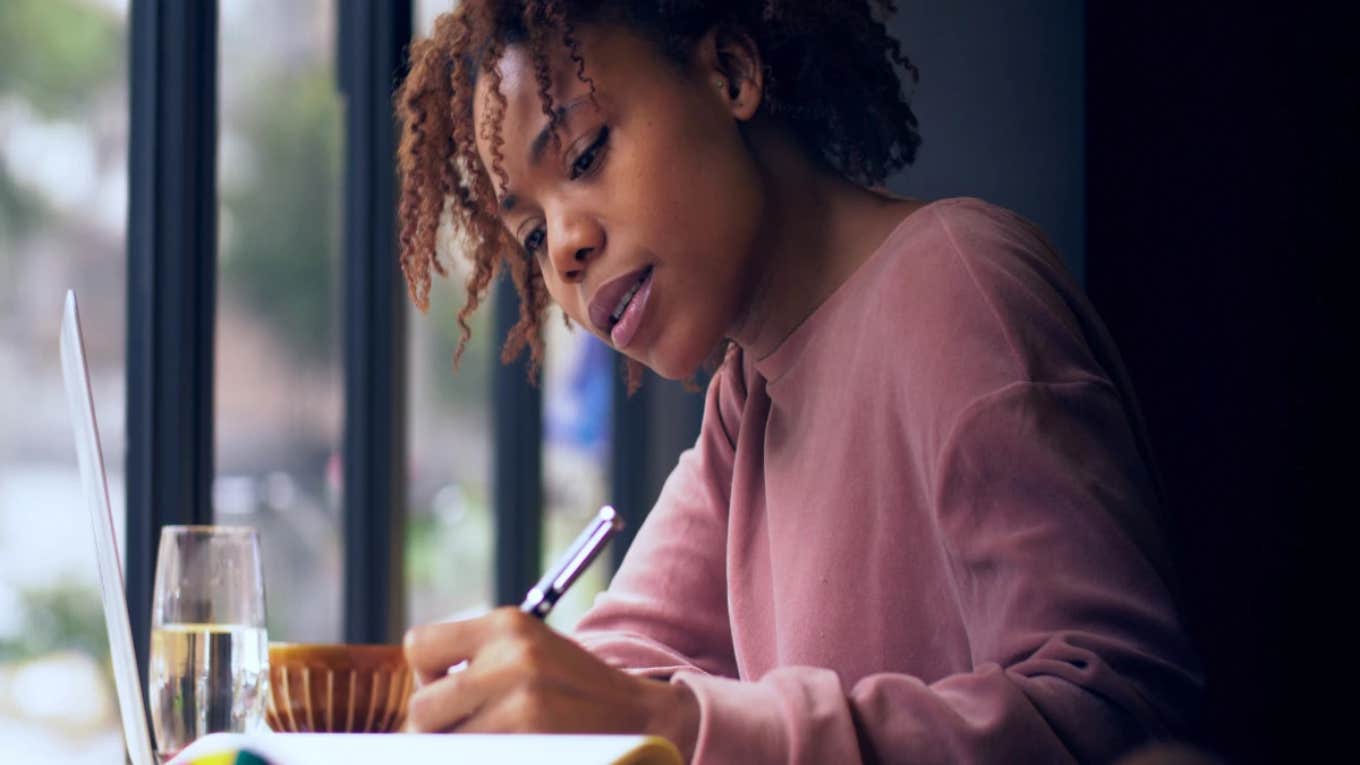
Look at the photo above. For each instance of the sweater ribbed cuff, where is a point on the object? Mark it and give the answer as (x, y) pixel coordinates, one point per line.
(738, 721)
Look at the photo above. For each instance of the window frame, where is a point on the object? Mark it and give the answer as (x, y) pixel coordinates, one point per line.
(171, 285)
(371, 60)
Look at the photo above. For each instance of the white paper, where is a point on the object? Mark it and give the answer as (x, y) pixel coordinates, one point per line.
(452, 749)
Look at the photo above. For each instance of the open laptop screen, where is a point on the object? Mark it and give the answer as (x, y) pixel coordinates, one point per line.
(79, 399)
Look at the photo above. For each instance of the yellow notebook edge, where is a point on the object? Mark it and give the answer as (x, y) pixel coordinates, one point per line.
(652, 750)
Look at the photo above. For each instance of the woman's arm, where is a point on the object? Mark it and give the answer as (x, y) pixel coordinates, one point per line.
(1076, 648)
(666, 608)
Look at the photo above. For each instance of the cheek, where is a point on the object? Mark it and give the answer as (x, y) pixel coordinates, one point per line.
(568, 298)
(565, 297)
(695, 191)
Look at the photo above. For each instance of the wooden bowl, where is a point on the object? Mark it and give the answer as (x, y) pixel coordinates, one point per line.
(334, 688)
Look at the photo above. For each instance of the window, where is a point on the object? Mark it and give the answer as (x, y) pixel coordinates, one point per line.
(63, 207)
(278, 376)
(578, 381)
(451, 522)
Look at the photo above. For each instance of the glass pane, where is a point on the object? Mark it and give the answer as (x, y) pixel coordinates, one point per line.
(577, 401)
(450, 537)
(279, 404)
(450, 530)
(63, 207)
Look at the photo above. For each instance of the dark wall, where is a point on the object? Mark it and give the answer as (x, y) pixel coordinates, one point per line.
(1216, 162)
(1000, 105)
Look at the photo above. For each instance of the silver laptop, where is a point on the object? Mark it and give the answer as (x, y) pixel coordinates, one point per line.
(136, 731)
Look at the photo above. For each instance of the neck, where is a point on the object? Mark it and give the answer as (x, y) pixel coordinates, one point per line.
(817, 229)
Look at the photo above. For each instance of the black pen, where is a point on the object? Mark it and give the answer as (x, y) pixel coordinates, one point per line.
(544, 595)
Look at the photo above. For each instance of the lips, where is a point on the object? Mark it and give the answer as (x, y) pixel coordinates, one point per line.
(605, 306)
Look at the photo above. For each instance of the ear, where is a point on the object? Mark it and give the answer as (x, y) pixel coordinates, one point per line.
(729, 62)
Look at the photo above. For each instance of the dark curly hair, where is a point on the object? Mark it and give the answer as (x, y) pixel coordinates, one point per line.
(831, 75)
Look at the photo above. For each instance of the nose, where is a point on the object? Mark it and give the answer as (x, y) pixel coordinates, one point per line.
(573, 241)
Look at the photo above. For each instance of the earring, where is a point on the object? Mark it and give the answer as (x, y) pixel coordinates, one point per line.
(721, 84)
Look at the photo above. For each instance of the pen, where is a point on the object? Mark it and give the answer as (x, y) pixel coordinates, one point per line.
(544, 595)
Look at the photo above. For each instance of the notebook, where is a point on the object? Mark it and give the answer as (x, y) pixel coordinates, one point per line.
(283, 748)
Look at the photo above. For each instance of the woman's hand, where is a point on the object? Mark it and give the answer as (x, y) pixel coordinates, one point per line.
(523, 677)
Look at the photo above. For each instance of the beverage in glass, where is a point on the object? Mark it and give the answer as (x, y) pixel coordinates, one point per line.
(209, 669)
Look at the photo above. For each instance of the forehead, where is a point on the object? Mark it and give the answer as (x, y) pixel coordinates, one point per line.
(613, 57)
(523, 108)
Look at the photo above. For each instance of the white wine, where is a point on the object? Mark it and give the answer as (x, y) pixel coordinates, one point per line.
(206, 678)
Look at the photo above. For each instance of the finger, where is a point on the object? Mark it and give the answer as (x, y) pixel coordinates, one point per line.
(511, 713)
(444, 703)
(450, 700)
(432, 649)
(496, 693)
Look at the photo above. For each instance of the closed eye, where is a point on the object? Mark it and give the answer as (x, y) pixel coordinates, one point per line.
(589, 158)
(535, 241)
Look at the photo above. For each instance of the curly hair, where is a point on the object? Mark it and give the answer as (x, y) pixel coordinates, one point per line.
(831, 74)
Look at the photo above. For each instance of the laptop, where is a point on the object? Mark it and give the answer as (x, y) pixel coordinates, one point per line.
(293, 748)
(80, 400)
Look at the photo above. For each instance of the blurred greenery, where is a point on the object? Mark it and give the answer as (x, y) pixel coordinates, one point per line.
(20, 212)
(57, 54)
(57, 58)
(61, 615)
(444, 553)
(281, 254)
(468, 386)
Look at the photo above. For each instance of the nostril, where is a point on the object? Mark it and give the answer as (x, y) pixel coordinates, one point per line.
(582, 253)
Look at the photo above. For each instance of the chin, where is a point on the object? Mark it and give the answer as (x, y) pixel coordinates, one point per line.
(674, 372)
(676, 363)
(666, 367)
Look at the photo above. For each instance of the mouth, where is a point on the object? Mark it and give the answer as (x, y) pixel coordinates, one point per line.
(616, 310)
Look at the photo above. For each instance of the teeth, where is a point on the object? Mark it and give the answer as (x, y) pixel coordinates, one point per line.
(623, 303)
(627, 297)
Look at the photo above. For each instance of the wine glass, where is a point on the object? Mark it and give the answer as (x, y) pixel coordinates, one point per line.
(209, 652)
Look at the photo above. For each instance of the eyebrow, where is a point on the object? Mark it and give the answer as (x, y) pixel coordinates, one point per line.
(540, 143)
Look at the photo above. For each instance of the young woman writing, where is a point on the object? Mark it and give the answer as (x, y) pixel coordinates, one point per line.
(919, 522)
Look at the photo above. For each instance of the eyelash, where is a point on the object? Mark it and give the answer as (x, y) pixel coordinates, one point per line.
(533, 243)
(592, 151)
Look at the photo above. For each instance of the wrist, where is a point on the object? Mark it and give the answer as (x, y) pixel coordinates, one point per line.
(674, 715)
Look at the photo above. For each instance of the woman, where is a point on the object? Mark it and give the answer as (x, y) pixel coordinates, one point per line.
(918, 524)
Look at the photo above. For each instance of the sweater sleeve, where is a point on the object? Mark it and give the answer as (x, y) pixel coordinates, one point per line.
(666, 608)
(1076, 651)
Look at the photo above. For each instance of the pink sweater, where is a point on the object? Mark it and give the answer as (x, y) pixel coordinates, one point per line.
(922, 530)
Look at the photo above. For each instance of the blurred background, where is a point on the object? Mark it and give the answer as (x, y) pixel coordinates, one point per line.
(1173, 156)
(63, 216)
(278, 404)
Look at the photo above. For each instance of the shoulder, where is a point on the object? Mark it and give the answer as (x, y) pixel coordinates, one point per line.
(973, 221)
(980, 290)
(982, 246)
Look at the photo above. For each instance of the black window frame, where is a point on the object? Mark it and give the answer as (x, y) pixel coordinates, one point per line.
(171, 286)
